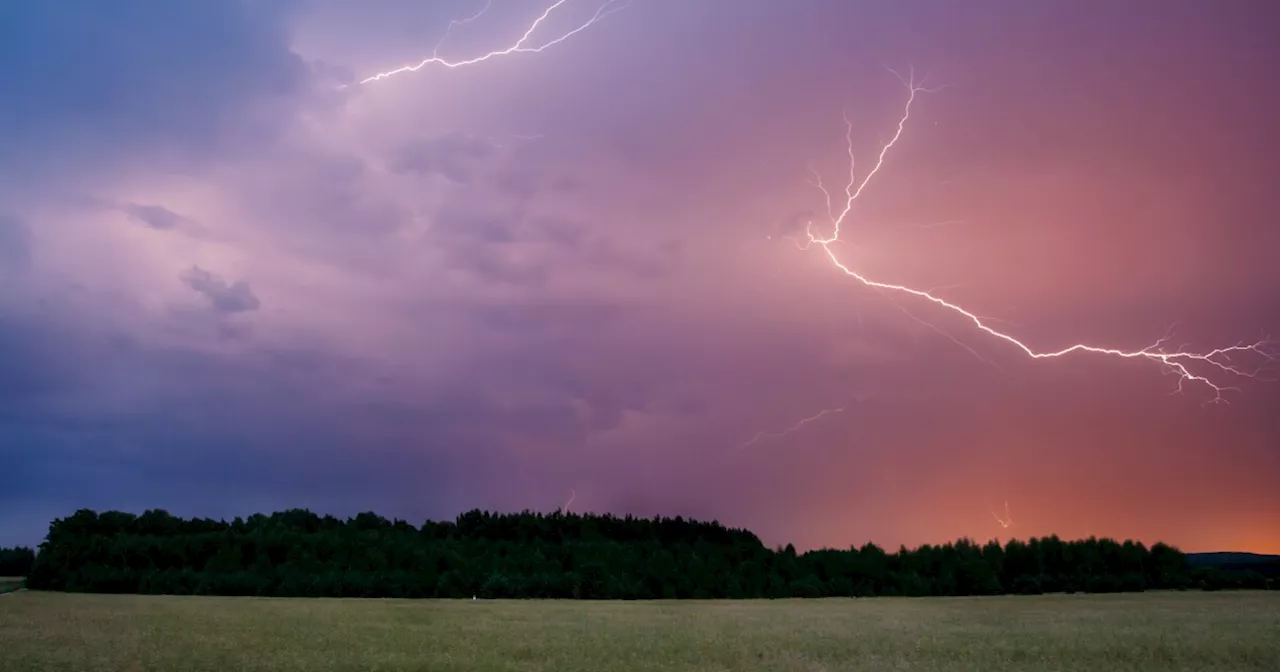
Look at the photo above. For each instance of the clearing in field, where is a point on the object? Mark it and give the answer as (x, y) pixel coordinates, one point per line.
(1154, 631)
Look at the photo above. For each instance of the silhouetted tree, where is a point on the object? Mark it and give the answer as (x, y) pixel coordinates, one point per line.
(533, 555)
(16, 561)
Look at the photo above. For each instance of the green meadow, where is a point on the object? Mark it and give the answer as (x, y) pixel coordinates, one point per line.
(1165, 631)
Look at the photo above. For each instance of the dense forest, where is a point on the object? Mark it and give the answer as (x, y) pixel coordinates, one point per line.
(16, 561)
(533, 555)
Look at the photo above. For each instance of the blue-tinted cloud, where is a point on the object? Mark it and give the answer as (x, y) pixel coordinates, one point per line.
(452, 155)
(232, 286)
(234, 297)
(156, 216)
(15, 242)
(88, 80)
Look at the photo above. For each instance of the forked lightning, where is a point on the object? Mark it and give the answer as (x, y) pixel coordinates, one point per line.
(520, 46)
(1211, 366)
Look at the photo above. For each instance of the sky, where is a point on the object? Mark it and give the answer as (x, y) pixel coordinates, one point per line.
(233, 279)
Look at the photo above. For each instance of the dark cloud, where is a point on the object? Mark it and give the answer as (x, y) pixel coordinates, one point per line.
(458, 225)
(78, 444)
(15, 242)
(94, 418)
(647, 262)
(492, 265)
(559, 231)
(30, 368)
(236, 297)
(156, 217)
(598, 308)
(324, 195)
(455, 226)
(95, 80)
(521, 184)
(513, 247)
(453, 155)
(483, 243)
(539, 317)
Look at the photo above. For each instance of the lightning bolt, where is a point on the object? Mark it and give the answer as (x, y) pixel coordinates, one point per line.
(1006, 521)
(1178, 362)
(520, 46)
(763, 436)
(572, 493)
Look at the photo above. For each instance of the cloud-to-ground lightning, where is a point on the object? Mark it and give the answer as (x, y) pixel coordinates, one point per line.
(1203, 367)
(572, 493)
(1005, 520)
(520, 46)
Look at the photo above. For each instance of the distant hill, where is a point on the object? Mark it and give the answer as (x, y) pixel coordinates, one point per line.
(1230, 560)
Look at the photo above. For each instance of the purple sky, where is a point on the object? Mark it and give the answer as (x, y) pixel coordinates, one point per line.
(230, 285)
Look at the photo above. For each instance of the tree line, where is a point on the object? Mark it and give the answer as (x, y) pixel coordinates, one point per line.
(16, 561)
(535, 555)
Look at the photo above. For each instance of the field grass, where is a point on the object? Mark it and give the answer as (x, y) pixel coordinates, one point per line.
(1102, 633)
(8, 584)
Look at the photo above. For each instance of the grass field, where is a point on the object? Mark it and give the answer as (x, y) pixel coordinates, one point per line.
(1103, 633)
(9, 584)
